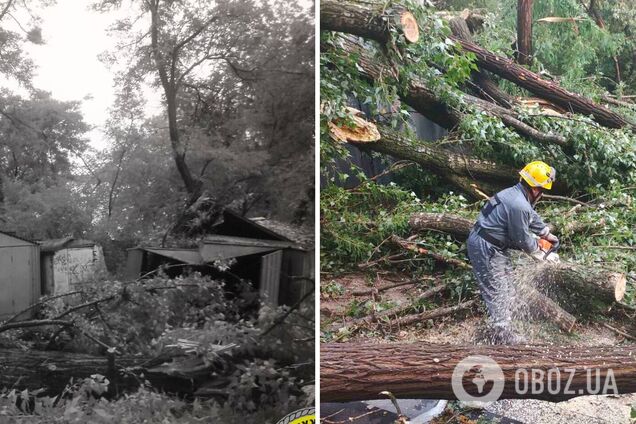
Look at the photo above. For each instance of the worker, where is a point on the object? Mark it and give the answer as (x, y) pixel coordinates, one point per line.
(508, 221)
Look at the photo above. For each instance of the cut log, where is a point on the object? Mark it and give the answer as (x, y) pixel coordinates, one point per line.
(52, 371)
(369, 21)
(347, 15)
(577, 287)
(355, 371)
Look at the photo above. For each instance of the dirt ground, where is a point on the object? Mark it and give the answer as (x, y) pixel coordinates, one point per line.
(460, 329)
(336, 303)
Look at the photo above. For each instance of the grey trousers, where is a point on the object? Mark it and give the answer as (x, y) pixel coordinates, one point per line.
(493, 269)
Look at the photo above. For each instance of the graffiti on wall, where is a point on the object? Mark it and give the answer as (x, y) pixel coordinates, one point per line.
(72, 267)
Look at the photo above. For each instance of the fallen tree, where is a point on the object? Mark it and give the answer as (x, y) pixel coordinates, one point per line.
(370, 19)
(53, 370)
(428, 103)
(358, 371)
(456, 169)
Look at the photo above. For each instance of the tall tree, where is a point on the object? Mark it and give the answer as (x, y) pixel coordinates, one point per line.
(180, 40)
(237, 85)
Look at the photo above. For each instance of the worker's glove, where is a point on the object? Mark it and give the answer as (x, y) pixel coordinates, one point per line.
(551, 238)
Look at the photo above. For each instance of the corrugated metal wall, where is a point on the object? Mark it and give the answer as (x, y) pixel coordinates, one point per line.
(19, 274)
(270, 277)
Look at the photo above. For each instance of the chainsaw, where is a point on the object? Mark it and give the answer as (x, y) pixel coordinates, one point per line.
(550, 250)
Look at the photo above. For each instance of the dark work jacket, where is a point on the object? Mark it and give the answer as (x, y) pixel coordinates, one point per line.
(512, 220)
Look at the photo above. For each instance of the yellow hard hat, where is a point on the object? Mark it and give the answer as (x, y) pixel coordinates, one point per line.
(538, 174)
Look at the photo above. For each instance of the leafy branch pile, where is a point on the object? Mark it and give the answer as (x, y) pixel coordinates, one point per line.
(180, 336)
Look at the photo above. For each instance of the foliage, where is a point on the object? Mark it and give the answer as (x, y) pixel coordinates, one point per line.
(38, 212)
(353, 223)
(19, 25)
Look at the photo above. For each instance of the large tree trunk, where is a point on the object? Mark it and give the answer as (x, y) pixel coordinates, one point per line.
(444, 163)
(52, 370)
(369, 21)
(524, 32)
(485, 87)
(357, 371)
(165, 67)
(549, 90)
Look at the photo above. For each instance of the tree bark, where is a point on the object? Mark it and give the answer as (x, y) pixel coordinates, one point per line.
(355, 371)
(52, 371)
(166, 70)
(486, 88)
(442, 162)
(524, 32)
(456, 225)
(368, 22)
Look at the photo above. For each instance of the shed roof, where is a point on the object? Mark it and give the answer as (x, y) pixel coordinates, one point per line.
(187, 256)
(244, 241)
(14, 235)
(300, 235)
(235, 224)
(53, 245)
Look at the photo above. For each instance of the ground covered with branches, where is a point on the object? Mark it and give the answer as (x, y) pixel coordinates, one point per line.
(182, 349)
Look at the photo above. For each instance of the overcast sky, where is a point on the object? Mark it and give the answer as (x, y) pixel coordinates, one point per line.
(68, 64)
